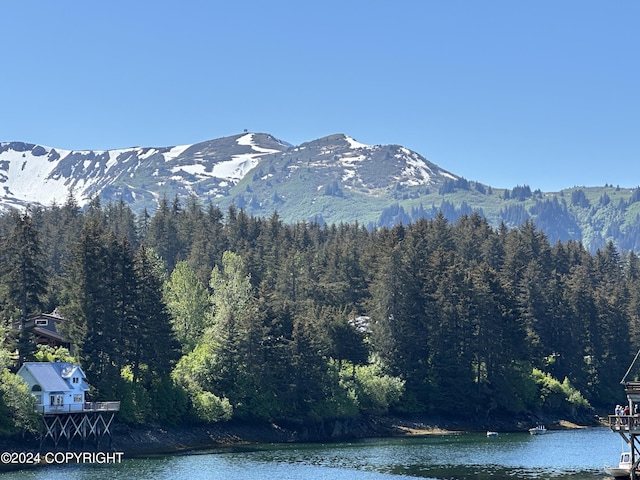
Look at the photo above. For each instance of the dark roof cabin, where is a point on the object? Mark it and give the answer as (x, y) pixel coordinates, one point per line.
(45, 328)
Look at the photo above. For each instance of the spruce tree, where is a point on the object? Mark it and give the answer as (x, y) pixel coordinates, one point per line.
(163, 234)
(90, 308)
(24, 277)
(154, 346)
(122, 314)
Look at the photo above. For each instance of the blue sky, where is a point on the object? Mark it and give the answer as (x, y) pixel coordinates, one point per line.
(544, 93)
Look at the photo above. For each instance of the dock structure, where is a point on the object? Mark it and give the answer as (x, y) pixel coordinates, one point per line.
(93, 422)
(628, 426)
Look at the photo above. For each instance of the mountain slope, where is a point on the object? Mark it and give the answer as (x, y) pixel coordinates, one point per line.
(34, 174)
(216, 171)
(334, 178)
(331, 179)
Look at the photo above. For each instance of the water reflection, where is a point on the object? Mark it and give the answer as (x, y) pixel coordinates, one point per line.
(564, 455)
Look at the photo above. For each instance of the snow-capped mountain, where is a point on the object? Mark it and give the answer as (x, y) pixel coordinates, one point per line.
(254, 170)
(38, 175)
(331, 179)
(372, 169)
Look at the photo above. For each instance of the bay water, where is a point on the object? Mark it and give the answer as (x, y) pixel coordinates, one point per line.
(567, 454)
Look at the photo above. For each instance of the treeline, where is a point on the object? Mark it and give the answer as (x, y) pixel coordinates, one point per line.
(192, 314)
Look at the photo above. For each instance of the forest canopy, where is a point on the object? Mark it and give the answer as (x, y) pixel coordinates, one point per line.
(194, 314)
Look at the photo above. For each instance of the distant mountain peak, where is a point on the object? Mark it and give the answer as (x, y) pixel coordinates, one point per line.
(215, 171)
(330, 179)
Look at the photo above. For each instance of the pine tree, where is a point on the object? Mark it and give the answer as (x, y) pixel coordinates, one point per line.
(497, 343)
(163, 234)
(121, 221)
(93, 326)
(347, 341)
(399, 322)
(311, 381)
(471, 233)
(207, 242)
(24, 277)
(450, 331)
(612, 299)
(122, 312)
(154, 348)
(580, 338)
(143, 224)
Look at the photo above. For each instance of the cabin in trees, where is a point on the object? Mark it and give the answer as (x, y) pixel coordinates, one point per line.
(46, 331)
(59, 387)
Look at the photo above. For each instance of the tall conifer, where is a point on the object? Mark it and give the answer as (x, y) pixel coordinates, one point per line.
(24, 277)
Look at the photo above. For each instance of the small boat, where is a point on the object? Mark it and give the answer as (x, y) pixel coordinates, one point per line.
(492, 434)
(538, 430)
(623, 470)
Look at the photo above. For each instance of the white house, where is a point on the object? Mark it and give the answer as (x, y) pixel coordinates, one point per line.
(59, 387)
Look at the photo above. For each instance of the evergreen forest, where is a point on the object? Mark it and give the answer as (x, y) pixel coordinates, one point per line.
(194, 314)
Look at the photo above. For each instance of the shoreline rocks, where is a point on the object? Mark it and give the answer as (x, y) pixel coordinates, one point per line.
(137, 441)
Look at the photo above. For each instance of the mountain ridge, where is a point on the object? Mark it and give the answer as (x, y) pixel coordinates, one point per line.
(207, 168)
(330, 179)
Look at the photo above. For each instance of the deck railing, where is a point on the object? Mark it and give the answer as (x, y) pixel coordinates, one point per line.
(80, 408)
(624, 423)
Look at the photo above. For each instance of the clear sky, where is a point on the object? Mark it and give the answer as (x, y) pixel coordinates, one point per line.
(544, 93)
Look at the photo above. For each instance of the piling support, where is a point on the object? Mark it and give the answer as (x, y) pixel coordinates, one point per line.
(83, 426)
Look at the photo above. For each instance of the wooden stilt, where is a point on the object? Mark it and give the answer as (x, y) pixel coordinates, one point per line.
(81, 426)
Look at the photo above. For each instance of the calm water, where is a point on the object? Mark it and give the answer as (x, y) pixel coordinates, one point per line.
(572, 454)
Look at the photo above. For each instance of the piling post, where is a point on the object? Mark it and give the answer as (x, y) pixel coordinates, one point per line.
(94, 420)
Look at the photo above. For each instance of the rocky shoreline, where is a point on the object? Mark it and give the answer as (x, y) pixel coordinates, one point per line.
(139, 441)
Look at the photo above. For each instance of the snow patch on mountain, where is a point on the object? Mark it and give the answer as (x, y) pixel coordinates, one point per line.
(355, 144)
(115, 156)
(248, 140)
(236, 168)
(28, 176)
(447, 174)
(210, 169)
(175, 152)
(417, 171)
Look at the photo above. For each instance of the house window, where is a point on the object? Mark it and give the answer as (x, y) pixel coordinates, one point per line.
(42, 322)
(77, 399)
(56, 400)
(36, 388)
(76, 379)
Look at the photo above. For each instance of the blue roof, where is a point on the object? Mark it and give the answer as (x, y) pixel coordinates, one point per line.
(51, 376)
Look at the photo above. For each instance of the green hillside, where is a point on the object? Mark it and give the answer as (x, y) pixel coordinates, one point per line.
(593, 215)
